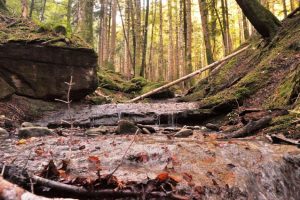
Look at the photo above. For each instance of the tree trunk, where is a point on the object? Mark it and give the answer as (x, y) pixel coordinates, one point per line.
(205, 30)
(161, 65)
(42, 15)
(113, 32)
(292, 5)
(143, 67)
(150, 62)
(171, 43)
(245, 28)
(188, 38)
(284, 8)
(85, 20)
(69, 12)
(138, 38)
(24, 9)
(31, 8)
(262, 19)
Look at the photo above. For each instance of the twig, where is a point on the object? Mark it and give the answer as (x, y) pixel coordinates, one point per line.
(125, 153)
(74, 191)
(3, 169)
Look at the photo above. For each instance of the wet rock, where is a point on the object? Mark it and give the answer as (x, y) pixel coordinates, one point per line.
(25, 69)
(3, 132)
(126, 127)
(27, 124)
(146, 131)
(149, 128)
(183, 133)
(34, 132)
(213, 127)
(96, 131)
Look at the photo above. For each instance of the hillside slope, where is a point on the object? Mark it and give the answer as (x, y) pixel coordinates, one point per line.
(265, 77)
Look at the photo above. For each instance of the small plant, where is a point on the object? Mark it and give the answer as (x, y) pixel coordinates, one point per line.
(68, 102)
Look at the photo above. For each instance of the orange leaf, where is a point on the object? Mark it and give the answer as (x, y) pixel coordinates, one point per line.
(94, 159)
(20, 142)
(187, 177)
(175, 178)
(162, 176)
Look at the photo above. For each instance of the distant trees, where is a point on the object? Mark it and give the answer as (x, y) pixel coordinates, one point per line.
(159, 40)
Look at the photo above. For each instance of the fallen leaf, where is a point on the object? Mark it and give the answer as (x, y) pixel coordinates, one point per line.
(162, 176)
(20, 142)
(175, 178)
(94, 159)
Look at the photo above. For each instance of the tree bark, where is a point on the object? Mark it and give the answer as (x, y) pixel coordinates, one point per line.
(31, 8)
(24, 9)
(113, 32)
(206, 35)
(42, 15)
(69, 12)
(284, 8)
(171, 44)
(262, 19)
(161, 65)
(85, 20)
(143, 67)
(245, 28)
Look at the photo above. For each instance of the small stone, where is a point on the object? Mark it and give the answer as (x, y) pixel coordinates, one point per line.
(183, 133)
(146, 131)
(3, 132)
(28, 132)
(213, 127)
(150, 128)
(27, 124)
(126, 127)
(96, 131)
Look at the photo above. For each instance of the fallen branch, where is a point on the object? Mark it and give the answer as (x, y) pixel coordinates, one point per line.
(250, 128)
(189, 75)
(278, 139)
(293, 13)
(10, 191)
(125, 153)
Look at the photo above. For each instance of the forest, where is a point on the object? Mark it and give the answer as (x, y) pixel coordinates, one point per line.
(152, 99)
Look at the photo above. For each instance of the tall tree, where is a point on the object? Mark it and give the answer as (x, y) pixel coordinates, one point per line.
(69, 13)
(245, 27)
(113, 32)
(85, 20)
(31, 8)
(42, 14)
(205, 29)
(188, 35)
(24, 8)
(144, 53)
(284, 8)
(171, 43)
(161, 43)
(138, 37)
(261, 18)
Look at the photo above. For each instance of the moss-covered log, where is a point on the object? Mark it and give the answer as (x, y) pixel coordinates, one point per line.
(261, 18)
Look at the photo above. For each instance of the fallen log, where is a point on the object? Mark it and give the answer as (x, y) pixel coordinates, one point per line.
(250, 128)
(279, 139)
(184, 78)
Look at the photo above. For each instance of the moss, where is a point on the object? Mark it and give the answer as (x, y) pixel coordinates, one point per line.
(282, 124)
(151, 86)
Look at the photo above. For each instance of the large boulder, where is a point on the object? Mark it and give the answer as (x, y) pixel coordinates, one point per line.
(41, 71)
(36, 61)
